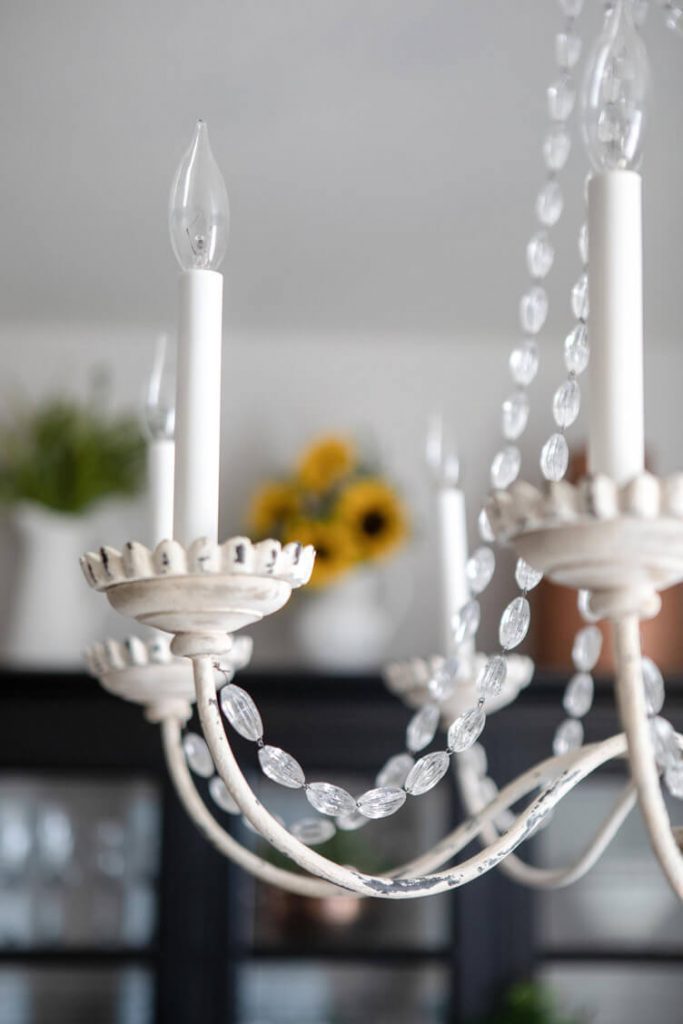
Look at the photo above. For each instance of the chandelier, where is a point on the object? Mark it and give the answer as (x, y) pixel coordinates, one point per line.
(616, 537)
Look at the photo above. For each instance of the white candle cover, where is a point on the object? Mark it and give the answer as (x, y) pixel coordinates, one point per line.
(616, 437)
(160, 473)
(452, 561)
(198, 405)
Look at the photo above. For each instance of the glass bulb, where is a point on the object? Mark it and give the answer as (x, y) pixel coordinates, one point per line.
(199, 214)
(614, 92)
(441, 454)
(160, 404)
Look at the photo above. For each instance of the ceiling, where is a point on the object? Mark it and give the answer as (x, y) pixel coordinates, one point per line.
(381, 156)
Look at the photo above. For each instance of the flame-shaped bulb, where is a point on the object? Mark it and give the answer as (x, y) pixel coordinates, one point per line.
(161, 391)
(199, 213)
(614, 92)
(441, 454)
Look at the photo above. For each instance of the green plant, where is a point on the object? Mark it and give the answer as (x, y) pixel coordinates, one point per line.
(527, 1003)
(68, 455)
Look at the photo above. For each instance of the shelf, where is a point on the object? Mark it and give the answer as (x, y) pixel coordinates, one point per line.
(582, 954)
(80, 956)
(339, 954)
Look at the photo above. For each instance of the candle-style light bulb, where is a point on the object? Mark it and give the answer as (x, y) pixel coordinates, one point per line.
(441, 454)
(199, 213)
(161, 391)
(614, 92)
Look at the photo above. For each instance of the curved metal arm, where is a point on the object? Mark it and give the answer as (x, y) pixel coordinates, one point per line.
(549, 878)
(631, 697)
(572, 770)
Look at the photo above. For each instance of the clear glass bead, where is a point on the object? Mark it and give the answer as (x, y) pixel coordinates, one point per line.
(586, 648)
(313, 831)
(578, 696)
(514, 623)
(381, 802)
(429, 770)
(515, 415)
(549, 203)
(197, 755)
(566, 403)
(576, 349)
(539, 255)
(242, 713)
(281, 767)
(351, 822)
(444, 680)
(524, 363)
(568, 736)
(480, 569)
(464, 732)
(484, 526)
(571, 8)
(580, 298)
(526, 577)
(583, 244)
(561, 99)
(221, 795)
(667, 752)
(505, 467)
(395, 772)
(583, 603)
(325, 798)
(533, 309)
(422, 727)
(673, 777)
(492, 678)
(555, 457)
(653, 684)
(674, 18)
(567, 50)
(465, 623)
(556, 147)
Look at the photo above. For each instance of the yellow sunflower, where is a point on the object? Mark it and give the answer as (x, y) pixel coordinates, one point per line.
(335, 550)
(271, 507)
(325, 463)
(377, 519)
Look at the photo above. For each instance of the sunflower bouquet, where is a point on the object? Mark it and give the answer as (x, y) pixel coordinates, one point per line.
(338, 503)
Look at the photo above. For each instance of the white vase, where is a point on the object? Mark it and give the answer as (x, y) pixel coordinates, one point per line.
(346, 628)
(49, 621)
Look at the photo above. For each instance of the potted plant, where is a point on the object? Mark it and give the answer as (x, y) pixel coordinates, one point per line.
(529, 1003)
(57, 462)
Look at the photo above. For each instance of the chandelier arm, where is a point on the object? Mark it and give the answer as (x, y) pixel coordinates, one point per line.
(633, 711)
(221, 839)
(380, 886)
(551, 878)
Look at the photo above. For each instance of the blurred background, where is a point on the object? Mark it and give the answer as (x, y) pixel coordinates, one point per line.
(382, 162)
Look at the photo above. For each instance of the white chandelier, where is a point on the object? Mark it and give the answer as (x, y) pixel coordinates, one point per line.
(616, 537)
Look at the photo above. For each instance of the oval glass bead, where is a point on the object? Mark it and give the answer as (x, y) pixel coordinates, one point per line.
(484, 527)
(326, 798)
(523, 363)
(464, 732)
(515, 415)
(395, 772)
(443, 682)
(505, 467)
(549, 203)
(561, 99)
(653, 683)
(351, 822)
(580, 298)
(568, 736)
(555, 457)
(526, 577)
(492, 678)
(281, 767)
(514, 623)
(422, 727)
(480, 569)
(567, 50)
(381, 802)
(533, 309)
(466, 622)
(220, 795)
(576, 349)
(429, 770)
(556, 147)
(197, 755)
(586, 648)
(540, 255)
(566, 403)
(313, 831)
(241, 711)
(667, 752)
(578, 696)
(673, 777)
